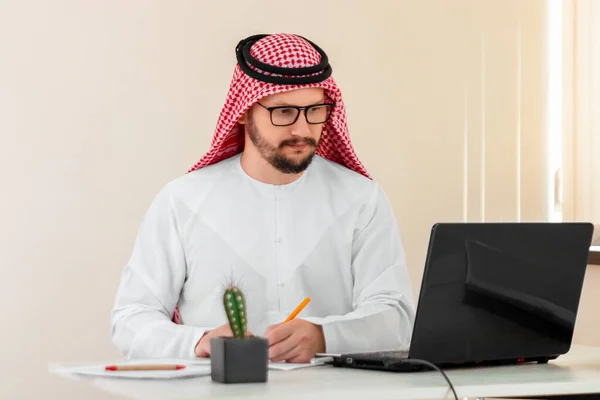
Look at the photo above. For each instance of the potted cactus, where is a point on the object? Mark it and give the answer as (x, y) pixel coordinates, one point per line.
(241, 358)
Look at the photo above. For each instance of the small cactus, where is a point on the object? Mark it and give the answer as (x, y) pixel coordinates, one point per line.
(235, 308)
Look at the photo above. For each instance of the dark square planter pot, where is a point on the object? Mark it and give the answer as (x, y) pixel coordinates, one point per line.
(235, 360)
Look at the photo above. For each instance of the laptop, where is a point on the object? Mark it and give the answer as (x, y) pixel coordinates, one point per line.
(492, 293)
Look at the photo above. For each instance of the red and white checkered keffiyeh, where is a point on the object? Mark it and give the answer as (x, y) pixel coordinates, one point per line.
(285, 51)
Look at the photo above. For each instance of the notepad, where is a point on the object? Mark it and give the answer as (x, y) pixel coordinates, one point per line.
(290, 366)
(277, 366)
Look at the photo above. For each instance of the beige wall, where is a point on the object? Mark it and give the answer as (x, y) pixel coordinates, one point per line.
(103, 102)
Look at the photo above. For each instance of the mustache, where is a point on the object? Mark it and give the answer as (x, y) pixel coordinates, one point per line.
(293, 142)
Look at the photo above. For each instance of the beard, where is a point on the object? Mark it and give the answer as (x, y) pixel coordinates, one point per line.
(275, 156)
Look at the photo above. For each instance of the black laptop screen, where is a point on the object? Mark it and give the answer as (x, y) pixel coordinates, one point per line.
(500, 291)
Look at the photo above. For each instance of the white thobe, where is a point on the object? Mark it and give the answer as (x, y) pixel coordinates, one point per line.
(331, 235)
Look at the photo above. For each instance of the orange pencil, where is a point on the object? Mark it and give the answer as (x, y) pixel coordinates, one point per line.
(298, 309)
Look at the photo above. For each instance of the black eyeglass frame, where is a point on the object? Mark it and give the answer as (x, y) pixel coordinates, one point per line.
(299, 109)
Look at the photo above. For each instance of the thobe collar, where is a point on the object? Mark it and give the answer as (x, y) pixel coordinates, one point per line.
(269, 188)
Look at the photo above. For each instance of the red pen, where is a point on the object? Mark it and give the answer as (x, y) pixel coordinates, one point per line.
(159, 367)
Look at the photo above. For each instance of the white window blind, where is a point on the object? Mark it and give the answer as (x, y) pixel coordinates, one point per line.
(581, 133)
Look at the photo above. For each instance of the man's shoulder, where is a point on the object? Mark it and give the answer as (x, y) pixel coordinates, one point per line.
(342, 179)
(197, 183)
(348, 189)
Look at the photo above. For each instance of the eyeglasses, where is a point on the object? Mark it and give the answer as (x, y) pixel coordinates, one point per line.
(288, 115)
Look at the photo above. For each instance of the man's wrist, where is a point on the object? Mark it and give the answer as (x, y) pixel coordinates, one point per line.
(321, 336)
(322, 339)
(200, 341)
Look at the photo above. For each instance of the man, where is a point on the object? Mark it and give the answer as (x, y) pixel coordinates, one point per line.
(281, 205)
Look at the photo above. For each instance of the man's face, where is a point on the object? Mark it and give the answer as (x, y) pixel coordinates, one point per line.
(290, 148)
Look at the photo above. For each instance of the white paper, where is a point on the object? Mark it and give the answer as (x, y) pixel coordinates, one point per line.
(193, 368)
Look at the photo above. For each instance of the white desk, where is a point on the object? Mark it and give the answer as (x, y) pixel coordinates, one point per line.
(575, 373)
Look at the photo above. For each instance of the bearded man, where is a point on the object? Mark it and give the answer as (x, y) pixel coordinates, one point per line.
(282, 205)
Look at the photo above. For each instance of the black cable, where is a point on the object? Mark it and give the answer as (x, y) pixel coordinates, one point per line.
(435, 367)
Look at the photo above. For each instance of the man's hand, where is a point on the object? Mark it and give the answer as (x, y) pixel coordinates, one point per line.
(203, 346)
(295, 341)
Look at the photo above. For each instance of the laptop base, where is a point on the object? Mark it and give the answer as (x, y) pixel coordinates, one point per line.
(400, 362)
